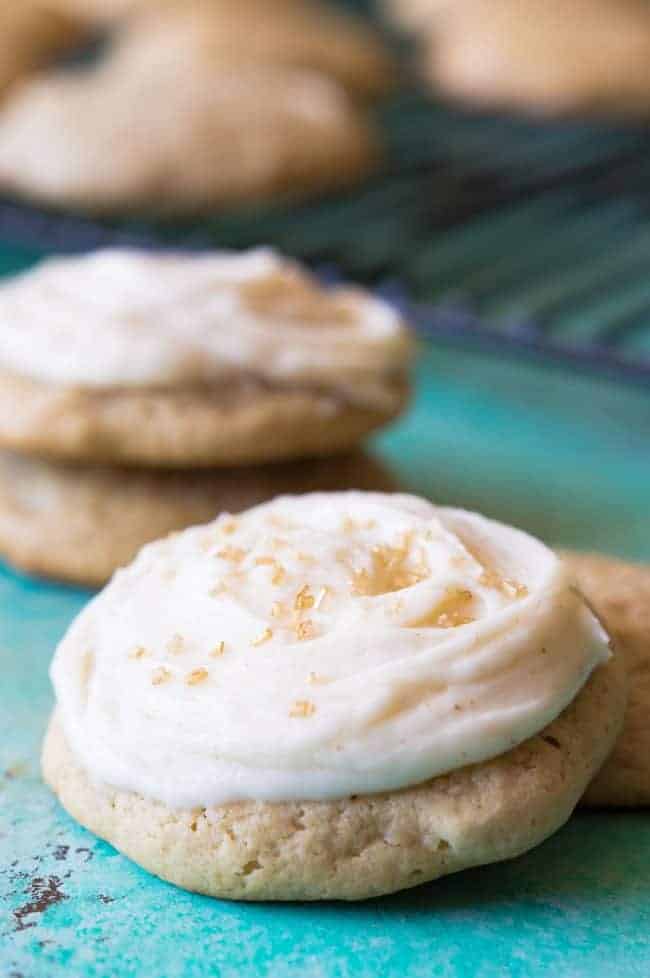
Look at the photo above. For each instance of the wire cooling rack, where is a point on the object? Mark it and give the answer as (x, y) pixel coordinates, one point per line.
(509, 235)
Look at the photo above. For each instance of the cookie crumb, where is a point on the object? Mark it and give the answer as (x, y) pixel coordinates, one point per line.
(264, 637)
(218, 650)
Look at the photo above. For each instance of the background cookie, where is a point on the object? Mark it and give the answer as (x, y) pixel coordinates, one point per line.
(193, 360)
(99, 12)
(31, 35)
(413, 13)
(80, 523)
(291, 33)
(155, 132)
(549, 56)
(364, 846)
(620, 593)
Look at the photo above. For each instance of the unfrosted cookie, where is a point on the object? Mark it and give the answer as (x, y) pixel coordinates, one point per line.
(104, 12)
(331, 697)
(80, 523)
(310, 34)
(31, 35)
(545, 56)
(167, 135)
(620, 593)
(193, 360)
(412, 14)
(290, 33)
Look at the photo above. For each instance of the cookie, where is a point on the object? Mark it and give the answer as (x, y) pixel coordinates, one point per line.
(151, 131)
(290, 33)
(412, 14)
(98, 13)
(80, 523)
(554, 57)
(620, 593)
(429, 692)
(175, 360)
(31, 35)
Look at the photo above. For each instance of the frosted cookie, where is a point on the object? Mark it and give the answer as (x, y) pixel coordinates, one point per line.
(151, 130)
(291, 33)
(620, 594)
(193, 360)
(547, 56)
(31, 35)
(80, 523)
(331, 696)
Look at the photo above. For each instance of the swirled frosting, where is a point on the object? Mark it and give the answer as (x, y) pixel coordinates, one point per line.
(321, 646)
(120, 318)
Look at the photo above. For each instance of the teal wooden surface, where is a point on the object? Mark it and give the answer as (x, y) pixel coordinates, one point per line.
(562, 455)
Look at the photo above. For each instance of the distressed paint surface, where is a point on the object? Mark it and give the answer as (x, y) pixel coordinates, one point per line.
(562, 456)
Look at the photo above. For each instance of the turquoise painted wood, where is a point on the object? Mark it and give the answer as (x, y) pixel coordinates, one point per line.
(561, 455)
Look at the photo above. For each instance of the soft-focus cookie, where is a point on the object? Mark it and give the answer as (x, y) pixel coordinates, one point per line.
(104, 12)
(412, 14)
(311, 34)
(80, 523)
(151, 130)
(429, 692)
(547, 56)
(291, 33)
(31, 35)
(176, 360)
(620, 593)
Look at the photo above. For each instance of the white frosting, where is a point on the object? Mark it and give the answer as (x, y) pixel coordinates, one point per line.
(427, 639)
(137, 318)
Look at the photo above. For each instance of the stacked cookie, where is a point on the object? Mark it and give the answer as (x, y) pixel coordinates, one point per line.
(141, 393)
(197, 104)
